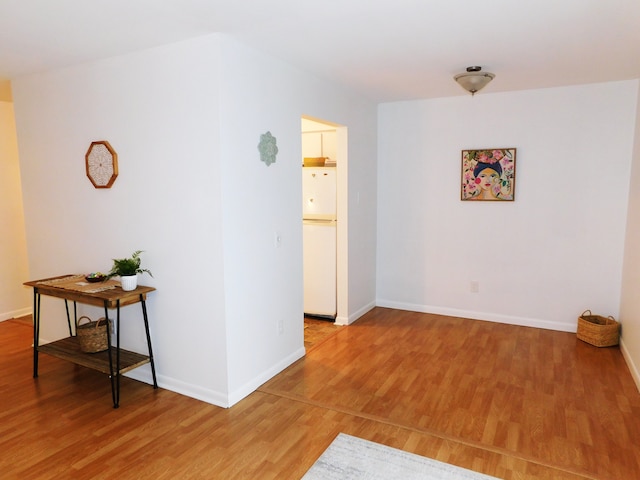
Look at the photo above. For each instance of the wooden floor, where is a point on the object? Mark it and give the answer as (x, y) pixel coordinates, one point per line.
(316, 331)
(512, 402)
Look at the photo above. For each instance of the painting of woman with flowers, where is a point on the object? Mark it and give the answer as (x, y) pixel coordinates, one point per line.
(489, 174)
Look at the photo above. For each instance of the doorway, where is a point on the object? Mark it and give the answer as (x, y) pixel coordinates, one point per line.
(324, 139)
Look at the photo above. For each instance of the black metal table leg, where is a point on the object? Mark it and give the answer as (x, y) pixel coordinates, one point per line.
(146, 329)
(117, 402)
(66, 306)
(113, 372)
(36, 330)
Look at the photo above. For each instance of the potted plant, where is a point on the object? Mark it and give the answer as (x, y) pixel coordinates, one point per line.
(127, 269)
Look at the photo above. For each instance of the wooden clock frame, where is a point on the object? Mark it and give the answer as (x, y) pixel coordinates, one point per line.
(101, 162)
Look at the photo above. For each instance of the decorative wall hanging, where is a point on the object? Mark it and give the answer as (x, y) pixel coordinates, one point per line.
(102, 164)
(489, 174)
(268, 148)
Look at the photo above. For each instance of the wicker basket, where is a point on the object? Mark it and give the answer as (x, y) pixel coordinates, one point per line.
(598, 330)
(93, 335)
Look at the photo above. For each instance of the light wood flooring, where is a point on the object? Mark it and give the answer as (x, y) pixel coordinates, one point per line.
(512, 402)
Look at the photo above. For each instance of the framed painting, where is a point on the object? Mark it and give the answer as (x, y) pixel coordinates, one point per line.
(489, 174)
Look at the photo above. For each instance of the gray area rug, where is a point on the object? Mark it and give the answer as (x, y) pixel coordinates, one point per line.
(352, 458)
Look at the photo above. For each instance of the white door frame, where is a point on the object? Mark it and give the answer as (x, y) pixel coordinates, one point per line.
(342, 232)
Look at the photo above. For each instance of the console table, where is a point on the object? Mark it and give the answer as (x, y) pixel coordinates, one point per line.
(114, 361)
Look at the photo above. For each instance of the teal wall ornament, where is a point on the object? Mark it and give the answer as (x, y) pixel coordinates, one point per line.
(268, 148)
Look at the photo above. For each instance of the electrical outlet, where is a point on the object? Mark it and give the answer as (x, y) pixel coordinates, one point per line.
(474, 286)
(280, 326)
(277, 239)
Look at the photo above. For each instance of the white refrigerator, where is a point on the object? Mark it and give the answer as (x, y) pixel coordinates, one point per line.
(319, 241)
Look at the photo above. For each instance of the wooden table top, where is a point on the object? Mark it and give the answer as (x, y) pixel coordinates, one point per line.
(74, 287)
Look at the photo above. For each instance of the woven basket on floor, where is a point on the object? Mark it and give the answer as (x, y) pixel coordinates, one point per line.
(598, 330)
(92, 336)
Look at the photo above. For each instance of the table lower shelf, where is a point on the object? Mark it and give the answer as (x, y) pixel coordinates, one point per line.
(69, 349)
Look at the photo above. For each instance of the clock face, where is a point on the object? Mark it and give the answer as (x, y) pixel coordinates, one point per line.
(102, 164)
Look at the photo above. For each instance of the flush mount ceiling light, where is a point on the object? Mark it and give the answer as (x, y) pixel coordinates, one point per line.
(474, 79)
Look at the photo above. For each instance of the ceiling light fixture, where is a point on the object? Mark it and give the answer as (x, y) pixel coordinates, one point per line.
(474, 79)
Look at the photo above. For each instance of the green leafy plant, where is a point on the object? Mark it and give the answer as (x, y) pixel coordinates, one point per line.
(124, 267)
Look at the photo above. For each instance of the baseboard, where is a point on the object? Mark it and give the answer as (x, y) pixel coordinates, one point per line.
(143, 374)
(248, 388)
(490, 317)
(15, 314)
(355, 315)
(220, 399)
(633, 368)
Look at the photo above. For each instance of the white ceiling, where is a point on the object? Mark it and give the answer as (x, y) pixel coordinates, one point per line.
(388, 49)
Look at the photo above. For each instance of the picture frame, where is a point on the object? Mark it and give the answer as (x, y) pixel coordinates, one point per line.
(101, 164)
(488, 174)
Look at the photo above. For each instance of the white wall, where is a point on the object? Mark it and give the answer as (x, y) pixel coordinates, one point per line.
(159, 111)
(15, 300)
(185, 120)
(264, 284)
(630, 303)
(541, 260)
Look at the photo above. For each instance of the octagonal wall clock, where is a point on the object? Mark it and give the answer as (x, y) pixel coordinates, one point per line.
(102, 164)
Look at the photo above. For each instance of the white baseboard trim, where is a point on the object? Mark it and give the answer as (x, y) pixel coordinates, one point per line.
(355, 315)
(251, 386)
(490, 317)
(143, 374)
(15, 314)
(633, 368)
(220, 399)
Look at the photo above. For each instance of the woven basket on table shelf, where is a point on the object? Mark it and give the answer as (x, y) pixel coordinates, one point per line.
(92, 336)
(598, 330)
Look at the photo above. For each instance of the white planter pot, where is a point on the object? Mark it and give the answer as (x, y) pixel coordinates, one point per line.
(129, 283)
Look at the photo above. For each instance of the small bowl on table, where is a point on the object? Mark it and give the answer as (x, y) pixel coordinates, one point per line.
(95, 277)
